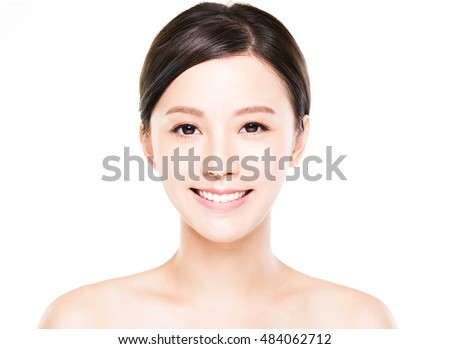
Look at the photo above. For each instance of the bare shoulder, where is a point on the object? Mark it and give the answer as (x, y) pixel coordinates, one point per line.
(359, 309)
(97, 305)
(337, 306)
(75, 309)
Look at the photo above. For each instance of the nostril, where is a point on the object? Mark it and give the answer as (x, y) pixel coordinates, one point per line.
(215, 174)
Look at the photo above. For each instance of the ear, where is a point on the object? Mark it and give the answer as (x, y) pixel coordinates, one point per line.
(300, 142)
(146, 143)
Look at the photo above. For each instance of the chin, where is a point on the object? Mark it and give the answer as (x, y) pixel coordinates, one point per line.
(224, 238)
(224, 231)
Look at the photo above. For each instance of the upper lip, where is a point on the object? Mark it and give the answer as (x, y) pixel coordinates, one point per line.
(220, 191)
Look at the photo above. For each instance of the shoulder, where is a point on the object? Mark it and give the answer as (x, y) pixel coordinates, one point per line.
(361, 310)
(78, 308)
(337, 306)
(97, 305)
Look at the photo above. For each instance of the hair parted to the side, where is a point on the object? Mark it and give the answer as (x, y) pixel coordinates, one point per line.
(210, 31)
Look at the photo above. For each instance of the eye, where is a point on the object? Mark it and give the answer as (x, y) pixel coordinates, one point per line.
(185, 130)
(253, 127)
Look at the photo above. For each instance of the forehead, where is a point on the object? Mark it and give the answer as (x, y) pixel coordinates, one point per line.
(227, 84)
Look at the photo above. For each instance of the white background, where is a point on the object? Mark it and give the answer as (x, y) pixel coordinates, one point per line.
(380, 82)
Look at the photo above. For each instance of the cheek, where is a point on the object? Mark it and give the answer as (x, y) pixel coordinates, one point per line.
(273, 155)
(260, 158)
(172, 157)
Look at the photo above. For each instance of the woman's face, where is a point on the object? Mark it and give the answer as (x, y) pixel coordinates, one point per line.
(224, 127)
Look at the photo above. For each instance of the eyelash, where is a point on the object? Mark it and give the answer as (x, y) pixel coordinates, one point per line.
(179, 127)
(261, 127)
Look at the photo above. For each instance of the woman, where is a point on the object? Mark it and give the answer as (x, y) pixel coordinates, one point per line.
(224, 107)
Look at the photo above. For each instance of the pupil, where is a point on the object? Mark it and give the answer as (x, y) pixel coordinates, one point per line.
(188, 129)
(251, 127)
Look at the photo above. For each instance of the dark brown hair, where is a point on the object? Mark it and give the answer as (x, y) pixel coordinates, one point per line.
(211, 30)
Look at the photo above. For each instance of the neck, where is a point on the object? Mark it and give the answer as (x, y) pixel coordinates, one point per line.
(232, 270)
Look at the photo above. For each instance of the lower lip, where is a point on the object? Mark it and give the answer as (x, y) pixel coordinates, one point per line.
(221, 206)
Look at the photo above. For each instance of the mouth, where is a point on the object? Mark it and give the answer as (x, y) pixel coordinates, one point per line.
(229, 196)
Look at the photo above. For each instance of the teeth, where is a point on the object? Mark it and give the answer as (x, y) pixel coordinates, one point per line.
(221, 198)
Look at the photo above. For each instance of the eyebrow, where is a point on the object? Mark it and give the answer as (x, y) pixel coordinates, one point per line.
(254, 109)
(185, 110)
(197, 112)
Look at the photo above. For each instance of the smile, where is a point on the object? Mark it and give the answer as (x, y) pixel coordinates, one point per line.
(221, 198)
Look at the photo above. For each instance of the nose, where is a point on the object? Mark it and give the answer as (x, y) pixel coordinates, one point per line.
(217, 174)
(222, 161)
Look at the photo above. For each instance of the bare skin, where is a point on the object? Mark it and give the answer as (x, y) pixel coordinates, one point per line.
(224, 274)
(264, 293)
